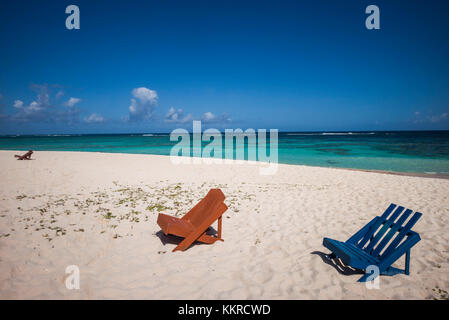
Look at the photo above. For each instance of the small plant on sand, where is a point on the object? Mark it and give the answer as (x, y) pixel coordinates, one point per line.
(108, 215)
(440, 294)
(59, 231)
(156, 207)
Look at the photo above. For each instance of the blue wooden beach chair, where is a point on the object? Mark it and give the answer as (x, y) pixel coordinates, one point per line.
(369, 245)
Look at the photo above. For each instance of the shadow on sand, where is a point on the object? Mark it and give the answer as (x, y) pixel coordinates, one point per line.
(337, 264)
(172, 239)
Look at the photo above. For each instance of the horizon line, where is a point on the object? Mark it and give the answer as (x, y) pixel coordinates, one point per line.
(168, 133)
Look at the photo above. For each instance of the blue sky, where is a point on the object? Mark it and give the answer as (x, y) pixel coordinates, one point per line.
(152, 66)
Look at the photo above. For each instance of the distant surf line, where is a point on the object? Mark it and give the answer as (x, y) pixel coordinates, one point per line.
(331, 134)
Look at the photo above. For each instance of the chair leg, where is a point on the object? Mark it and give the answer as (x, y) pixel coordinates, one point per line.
(219, 228)
(184, 244)
(407, 262)
(208, 239)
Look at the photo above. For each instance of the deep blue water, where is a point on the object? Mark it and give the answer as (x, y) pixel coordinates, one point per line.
(412, 151)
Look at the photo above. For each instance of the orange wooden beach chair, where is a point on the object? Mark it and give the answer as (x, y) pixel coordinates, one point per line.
(195, 223)
(26, 156)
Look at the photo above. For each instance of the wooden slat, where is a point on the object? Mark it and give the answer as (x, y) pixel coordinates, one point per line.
(360, 254)
(392, 232)
(350, 251)
(375, 226)
(355, 239)
(402, 234)
(388, 211)
(384, 229)
(371, 232)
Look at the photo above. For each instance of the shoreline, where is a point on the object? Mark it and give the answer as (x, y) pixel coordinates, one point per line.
(399, 173)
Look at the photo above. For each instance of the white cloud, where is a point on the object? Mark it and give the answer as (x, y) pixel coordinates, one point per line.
(37, 109)
(133, 106)
(177, 116)
(432, 118)
(43, 98)
(18, 104)
(210, 117)
(34, 106)
(72, 101)
(145, 95)
(94, 118)
(438, 118)
(142, 105)
(41, 109)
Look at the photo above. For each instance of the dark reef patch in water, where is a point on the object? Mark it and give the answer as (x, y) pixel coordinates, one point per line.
(337, 151)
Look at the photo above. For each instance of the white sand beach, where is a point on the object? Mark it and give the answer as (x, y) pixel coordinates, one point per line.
(98, 211)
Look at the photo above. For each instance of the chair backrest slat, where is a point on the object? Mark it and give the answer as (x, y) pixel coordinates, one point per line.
(394, 228)
(402, 233)
(388, 211)
(384, 229)
(206, 207)
(375, 226)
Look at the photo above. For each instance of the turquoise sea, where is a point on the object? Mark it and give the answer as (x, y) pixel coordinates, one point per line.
(400, 151)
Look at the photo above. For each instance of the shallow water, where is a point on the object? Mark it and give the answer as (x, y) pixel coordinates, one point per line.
(412, 151)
